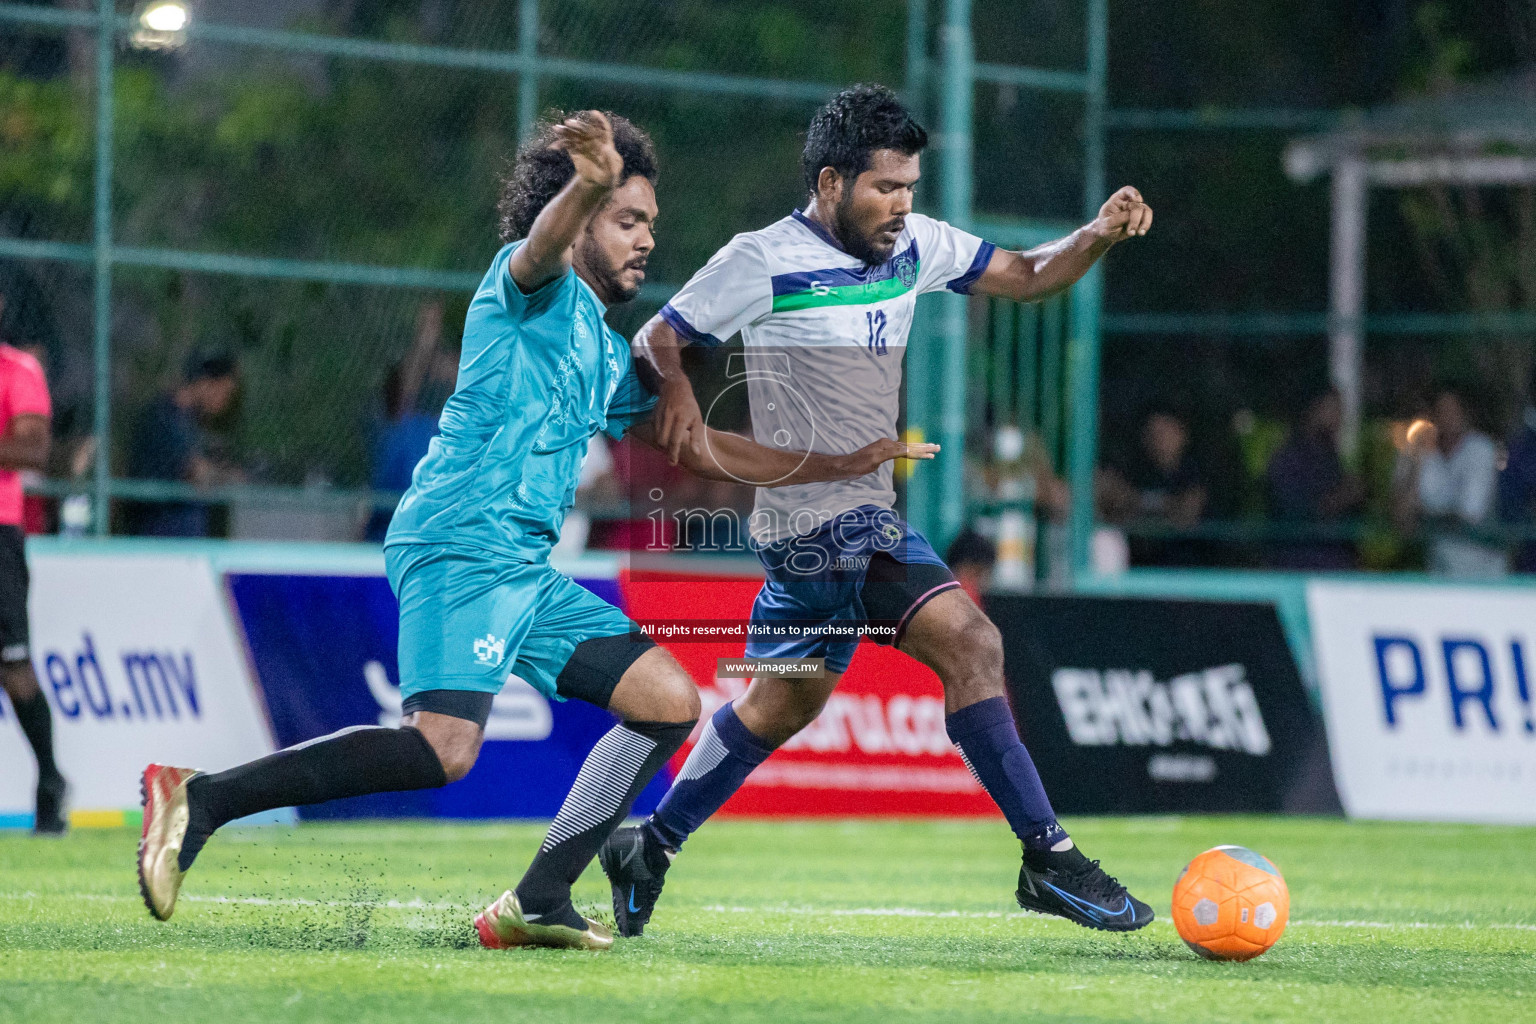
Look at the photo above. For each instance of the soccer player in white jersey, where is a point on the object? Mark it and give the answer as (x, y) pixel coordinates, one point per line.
(824, 300)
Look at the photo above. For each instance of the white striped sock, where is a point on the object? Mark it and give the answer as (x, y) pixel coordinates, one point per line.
(600, 787)
(706, 756)
(970, 767)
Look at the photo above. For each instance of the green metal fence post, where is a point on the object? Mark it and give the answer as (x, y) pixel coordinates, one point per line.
(528, 77)
(955, 206)
(919, 355)
(1087, 303)
(917, 58)
(105, 41)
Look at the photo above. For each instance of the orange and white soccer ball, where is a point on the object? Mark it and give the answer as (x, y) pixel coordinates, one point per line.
(1230, 904)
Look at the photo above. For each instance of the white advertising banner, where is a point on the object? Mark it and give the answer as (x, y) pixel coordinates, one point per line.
(1428, 696)
(140, 662)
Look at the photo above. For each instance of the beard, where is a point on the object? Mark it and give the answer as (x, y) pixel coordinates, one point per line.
(857, 244)
(608, 276)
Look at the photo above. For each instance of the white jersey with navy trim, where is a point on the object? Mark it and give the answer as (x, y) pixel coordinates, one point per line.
(824, 335)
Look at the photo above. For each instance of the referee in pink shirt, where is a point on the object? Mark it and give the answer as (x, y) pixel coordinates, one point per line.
(24, 413)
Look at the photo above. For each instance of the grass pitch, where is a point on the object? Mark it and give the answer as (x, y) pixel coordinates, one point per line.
(887, 922)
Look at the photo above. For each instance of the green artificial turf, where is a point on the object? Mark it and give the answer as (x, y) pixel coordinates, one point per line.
(887, 922)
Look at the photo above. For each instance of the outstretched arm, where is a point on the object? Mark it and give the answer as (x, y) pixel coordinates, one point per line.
(1043, 271)
(731, 457)
(588, 139)
(677, 421)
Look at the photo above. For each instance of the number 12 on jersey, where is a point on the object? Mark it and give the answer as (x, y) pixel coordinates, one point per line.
(875, 318)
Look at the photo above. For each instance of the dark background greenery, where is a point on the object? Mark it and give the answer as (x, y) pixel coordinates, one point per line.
(254, 152)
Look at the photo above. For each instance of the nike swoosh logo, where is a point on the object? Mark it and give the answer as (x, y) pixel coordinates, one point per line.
(1091, 908)
(632, 908)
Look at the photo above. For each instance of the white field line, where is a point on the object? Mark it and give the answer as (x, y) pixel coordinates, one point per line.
(984, 914)
(249, 901)
(803, 911)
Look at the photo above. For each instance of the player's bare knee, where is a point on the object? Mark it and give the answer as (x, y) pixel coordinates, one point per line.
(456, 760)
(972, 665)
(676, 696)
(656, 689)
(455, 741)
(984, 642)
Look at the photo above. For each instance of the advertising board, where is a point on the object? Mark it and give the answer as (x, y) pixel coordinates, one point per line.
(1429, 693)
(140, 662)
(1135, 705)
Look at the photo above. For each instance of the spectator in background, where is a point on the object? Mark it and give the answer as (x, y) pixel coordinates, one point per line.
(415, 391)
(1307, 484)
(171, 444)
(1517, 482)
(1159, 486)
(971, 558)
(1446, 480)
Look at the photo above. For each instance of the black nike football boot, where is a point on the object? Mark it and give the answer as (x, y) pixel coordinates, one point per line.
(1069, 885)
(636, 866)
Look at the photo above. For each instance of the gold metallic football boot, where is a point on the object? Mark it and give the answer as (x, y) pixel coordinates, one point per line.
(502, 926)
(163, 790)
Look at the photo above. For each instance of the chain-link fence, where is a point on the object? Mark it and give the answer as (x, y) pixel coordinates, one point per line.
(309, 188)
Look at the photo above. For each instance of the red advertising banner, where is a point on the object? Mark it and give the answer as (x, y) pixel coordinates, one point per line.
(879, 747)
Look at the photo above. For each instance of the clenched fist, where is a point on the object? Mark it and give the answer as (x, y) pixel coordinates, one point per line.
(1125, 215)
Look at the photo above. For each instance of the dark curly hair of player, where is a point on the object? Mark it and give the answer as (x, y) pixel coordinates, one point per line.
(539, 172)
(851, 126)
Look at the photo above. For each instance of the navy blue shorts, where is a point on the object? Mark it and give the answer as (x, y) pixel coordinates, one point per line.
(865, 572)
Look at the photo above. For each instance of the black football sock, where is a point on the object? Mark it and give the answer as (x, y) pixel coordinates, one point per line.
(1069, 859)
(352, 762)
(36, 722)
(614, 773)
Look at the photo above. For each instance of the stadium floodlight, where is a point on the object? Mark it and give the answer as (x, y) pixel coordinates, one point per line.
(162, 25)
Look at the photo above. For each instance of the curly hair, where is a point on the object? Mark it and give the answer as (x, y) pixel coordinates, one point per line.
(540, 172)
(851, 126)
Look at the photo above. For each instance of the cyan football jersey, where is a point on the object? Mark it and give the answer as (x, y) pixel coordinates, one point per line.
(539, 375)
(824, 335)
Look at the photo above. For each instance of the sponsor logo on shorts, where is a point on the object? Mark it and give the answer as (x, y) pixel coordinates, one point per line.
(489, 650)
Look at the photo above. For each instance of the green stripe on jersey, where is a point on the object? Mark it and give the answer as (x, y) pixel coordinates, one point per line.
(845, 295)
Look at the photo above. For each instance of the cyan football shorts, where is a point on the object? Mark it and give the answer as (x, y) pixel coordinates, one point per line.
(469, 619)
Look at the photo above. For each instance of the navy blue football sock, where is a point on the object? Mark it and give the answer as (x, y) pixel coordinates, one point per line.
(726, 753)
(989, 743)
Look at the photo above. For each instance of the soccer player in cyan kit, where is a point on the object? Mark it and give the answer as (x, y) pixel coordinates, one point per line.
(468, 550)
(24, 412)
(824, 300)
